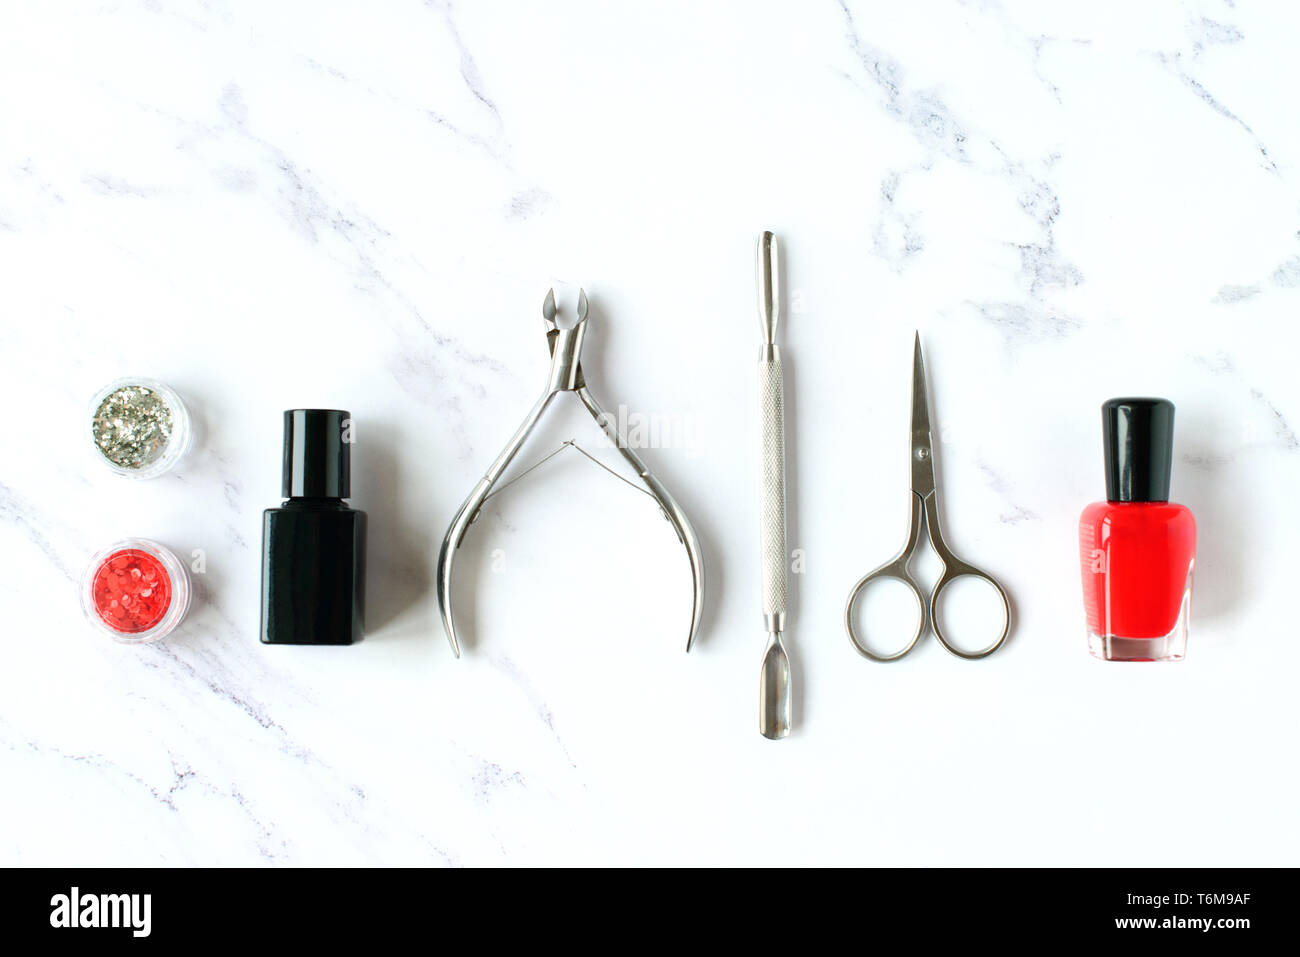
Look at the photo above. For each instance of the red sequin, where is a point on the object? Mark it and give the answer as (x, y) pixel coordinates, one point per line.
(131, 591)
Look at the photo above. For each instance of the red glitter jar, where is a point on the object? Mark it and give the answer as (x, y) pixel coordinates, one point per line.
(135, 590)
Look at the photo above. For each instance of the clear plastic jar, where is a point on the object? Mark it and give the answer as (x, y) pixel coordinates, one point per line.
(135, 591)
(139, 427)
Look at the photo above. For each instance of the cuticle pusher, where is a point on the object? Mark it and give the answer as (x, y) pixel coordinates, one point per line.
(774, 680)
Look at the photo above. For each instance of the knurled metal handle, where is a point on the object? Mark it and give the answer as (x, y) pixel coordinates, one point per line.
(772, 514)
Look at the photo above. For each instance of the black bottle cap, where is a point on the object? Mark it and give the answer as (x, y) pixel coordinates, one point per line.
(1139, 439)
(317, 454)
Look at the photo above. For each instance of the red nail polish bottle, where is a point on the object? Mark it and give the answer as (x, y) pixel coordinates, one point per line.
(1137, 549)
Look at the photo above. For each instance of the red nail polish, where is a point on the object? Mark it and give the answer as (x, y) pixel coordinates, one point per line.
(1137, 549)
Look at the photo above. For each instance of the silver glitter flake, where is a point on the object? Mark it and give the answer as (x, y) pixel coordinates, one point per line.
(132, 427)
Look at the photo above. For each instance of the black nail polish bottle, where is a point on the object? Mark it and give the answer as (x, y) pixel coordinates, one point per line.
(313, 546)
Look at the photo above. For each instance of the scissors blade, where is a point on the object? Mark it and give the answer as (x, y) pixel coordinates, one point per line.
(922, 448)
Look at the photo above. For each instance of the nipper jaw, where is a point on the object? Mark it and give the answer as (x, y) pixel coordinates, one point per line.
(566, 376)
(566, 346)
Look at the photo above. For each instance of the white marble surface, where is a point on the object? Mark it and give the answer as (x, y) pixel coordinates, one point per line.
(276, 205)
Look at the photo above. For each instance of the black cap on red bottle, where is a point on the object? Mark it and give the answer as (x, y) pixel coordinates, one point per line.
(317, 454)
(1139, 440)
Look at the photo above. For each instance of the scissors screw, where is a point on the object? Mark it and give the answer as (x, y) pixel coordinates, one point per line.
(922, 453)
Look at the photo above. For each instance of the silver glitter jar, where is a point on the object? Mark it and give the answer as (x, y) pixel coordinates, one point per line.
(139, 427)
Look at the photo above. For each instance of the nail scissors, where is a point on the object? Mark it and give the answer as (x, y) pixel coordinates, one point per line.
(925, 508)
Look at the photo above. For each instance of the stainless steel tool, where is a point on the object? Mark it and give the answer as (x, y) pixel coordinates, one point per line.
(774, 679)
(566, 376)
(924, 504)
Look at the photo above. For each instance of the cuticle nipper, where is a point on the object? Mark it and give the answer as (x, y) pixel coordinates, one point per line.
(566, 376)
